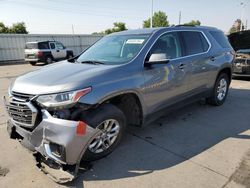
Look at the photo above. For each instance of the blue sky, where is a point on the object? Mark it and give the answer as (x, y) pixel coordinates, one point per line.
(87, 16)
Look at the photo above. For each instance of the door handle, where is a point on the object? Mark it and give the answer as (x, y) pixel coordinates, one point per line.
(212, 58)
(181, 66)
(57, 50)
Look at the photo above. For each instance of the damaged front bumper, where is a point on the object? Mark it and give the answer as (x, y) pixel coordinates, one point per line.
(241, 67)
(57, 146)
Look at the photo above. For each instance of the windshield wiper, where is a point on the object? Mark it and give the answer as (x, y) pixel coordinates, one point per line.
(92, 62)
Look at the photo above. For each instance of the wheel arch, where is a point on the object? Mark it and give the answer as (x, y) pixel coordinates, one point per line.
(129, 102)
(226, 70)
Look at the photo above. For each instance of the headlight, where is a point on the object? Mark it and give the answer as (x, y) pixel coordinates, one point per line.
(62, 99)
(10, 87)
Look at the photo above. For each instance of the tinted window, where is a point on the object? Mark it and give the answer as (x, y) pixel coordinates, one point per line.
(31, 46)
(205, 44)
(194, 42)
(168, 44)
(52, 45)
(43, 45)
(220, 39)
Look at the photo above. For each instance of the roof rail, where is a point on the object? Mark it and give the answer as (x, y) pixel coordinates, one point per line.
(182, 25)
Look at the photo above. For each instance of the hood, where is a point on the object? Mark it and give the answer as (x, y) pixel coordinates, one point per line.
(240, 40)
(58, 77)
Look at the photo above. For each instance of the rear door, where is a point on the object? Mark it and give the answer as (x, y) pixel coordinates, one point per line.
(31, 50)
(196, 48)
(166, 83)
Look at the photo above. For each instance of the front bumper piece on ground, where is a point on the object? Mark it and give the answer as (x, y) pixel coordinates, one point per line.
(55, 144)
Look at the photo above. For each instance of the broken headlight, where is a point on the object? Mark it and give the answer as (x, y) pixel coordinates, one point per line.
(62, 99)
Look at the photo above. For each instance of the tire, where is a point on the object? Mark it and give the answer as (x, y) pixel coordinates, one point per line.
(70, 56)
(220, 90)
(48, 60)
(95, 119)
(32, 63)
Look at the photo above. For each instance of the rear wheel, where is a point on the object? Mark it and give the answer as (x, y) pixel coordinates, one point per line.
(220, 90)
(111, 121)
(32, 63)
(48, 60)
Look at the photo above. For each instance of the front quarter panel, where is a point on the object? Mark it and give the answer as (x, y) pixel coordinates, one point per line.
(125, 79)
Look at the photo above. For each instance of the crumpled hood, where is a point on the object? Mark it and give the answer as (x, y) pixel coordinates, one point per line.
(240, 40)
(58, 77)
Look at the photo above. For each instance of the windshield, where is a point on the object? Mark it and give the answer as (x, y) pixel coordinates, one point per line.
(113, 50)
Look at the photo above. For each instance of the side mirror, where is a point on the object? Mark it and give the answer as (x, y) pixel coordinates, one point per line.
(160, 58)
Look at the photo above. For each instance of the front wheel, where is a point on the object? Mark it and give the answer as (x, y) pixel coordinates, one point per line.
(48, 60)
(220, 90)
(111, 121)
(70, 56)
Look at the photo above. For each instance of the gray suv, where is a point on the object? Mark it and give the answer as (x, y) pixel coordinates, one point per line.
(78, 109)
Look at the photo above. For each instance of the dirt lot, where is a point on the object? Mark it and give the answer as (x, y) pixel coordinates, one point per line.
(197, 146)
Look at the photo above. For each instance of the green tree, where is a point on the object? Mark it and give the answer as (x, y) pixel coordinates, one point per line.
(18, 28)
(236, 26)
(193, 23)
(3, 28)
(160, 19)
(118, 26)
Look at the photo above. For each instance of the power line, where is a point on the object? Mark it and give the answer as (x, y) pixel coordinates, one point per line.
(75, 11)
(101, 6)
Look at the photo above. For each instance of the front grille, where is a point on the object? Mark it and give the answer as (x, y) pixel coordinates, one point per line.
(248, 61)
(22, 96)
(242, 61)
(21, 110)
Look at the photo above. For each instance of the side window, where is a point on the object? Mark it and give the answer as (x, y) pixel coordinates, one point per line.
(52, 45)
(194, 42)
(59, 46)
(167, 44)
(220, 39)
(43, 45)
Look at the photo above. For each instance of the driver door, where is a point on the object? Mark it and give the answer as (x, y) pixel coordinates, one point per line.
(165, 83)
(61, 50)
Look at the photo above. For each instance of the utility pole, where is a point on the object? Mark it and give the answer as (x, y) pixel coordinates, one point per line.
(242, 12)
(73, 31)
(180, 18)
(151, 13)
(246, 25)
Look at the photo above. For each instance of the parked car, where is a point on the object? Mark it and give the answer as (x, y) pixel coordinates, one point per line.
(46, 51)
(78, 109)
(241, 44)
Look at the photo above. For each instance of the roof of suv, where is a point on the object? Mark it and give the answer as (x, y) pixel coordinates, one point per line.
(41, 41)
(153, 30)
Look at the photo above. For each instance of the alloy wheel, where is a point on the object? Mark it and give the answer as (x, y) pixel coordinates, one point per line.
(109, 131)
(222, 89)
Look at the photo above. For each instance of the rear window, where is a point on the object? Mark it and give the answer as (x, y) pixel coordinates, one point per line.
(221, 39)
(43, 45)
(31, 46)
(195, 42)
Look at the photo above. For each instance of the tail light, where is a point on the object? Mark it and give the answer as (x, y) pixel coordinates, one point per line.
(39, 54)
